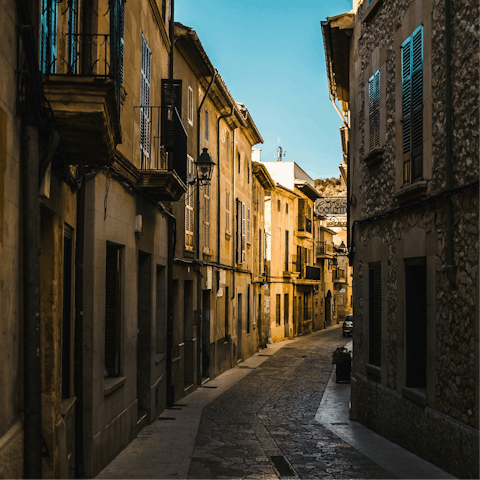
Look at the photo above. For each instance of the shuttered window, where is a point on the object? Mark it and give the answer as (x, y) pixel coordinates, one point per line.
(145, 104)
(375, 314)
(117, 35)
(287, 253)
(416, 322)
(248, 226)
(301, 214)
(227, 211)
(206, 217)
(277, 309)
(113, 310)
(48, 36)
(412, 106)
(190, 105)
(189, 208)
(241, 231)
(72, 37)
(374, 110)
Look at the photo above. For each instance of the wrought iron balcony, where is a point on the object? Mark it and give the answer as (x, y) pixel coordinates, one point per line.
(162, 174)
(304, 227)
(82, 85)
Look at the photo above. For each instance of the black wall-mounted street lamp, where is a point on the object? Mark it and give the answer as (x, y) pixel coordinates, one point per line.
(204, 166)
(342, 250)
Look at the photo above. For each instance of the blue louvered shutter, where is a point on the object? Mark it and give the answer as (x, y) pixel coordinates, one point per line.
(145, 104)
(117, 34)
(374, 110)
(48, 36)
(412, 106)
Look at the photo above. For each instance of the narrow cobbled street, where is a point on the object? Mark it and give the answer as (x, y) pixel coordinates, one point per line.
(264, 426)
(268, 418)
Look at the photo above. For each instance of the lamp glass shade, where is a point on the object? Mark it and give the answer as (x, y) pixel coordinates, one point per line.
(204, 167)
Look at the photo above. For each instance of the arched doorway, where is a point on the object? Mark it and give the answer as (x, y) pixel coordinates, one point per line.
(328, 309)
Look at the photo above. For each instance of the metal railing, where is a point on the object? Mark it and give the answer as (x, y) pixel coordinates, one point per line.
(87, 54)
(324, 248)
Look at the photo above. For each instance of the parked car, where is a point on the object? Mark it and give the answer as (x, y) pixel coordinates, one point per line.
(347, 327)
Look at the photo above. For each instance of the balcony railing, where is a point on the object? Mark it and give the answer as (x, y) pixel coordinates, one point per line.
(304, 225)
(324, 248)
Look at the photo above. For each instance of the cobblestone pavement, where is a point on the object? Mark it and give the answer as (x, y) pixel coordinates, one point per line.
(264, 426)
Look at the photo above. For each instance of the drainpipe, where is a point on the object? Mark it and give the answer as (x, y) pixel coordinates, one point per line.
(32, 399)
(197, 244)
(448, 153)
(235, 223)
(218, 180)
(170, 248)
(31, 307)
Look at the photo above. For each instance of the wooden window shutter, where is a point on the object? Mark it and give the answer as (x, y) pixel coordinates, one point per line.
(145, 104)
(243, 232)
(301, 214)
(72, 42)
(171, 98)
(412, 106)
(112, 310)
(375, 314)
(374, 110)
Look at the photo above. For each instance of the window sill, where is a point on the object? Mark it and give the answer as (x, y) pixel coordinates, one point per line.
(371, 10)
(160, 357)
(112, 384)
(417, 395)
(411, 192)
(373, 156)
(374, 370)
(176, 359)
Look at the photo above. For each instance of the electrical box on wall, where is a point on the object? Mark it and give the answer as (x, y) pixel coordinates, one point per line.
(138, 224)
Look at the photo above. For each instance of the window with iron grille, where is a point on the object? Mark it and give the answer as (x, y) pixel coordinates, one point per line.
(374, 110)
(48, 36)
(189, 208)
(113, 312)
(416, 322)
(206, 217)
(190, 105)
(375, 314)
(412, 106)
(145, 104)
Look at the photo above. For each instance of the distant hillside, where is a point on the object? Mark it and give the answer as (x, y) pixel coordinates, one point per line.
(331, 187)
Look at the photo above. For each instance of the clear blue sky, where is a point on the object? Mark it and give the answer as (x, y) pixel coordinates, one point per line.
(270, 54)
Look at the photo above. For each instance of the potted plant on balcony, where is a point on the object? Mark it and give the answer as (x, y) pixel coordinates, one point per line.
(342, 358)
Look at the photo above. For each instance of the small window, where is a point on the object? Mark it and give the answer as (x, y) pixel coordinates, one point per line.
(278, 205)
(189, 207)
(286, 208)
(238, 163)
(227, 141)
(206, 125)
(206, 216)
(412, 106)
(375, 314)
(374, 110)
(113, 313)
(190, 105)
(416, 322)
(248, 226)
(227, 211)
(277, 309)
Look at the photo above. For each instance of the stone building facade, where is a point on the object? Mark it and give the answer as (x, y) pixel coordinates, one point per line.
(413, 169)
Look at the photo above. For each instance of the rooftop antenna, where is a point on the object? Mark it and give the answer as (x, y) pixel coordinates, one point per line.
(280, 153)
